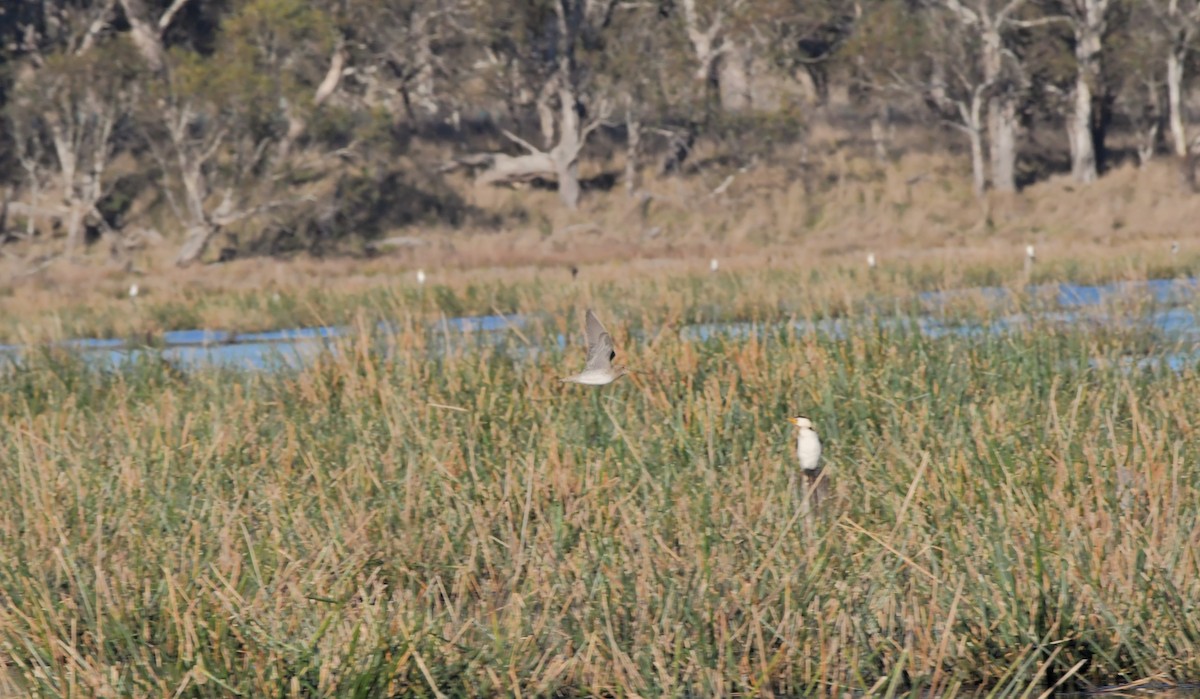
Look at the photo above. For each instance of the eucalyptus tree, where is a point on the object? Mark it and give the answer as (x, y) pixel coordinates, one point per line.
(219, 121)
(1175, 24)
(548, 53)
(73, 86)
(1090, 22)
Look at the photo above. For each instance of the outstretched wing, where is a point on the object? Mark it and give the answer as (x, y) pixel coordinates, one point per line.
(599, 344)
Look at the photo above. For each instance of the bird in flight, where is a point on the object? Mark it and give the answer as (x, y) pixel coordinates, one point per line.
(599, 369)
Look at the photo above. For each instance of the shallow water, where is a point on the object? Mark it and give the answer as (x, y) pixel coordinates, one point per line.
(1168, 319)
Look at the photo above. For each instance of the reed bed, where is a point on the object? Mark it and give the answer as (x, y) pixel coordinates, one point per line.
(429, 515)
(773, 283)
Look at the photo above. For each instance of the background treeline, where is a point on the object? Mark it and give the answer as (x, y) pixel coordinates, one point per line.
(277, 125)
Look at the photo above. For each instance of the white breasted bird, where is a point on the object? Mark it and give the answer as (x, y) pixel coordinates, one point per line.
(713, 265)
(599, 369)
(421, 277)
(808, 447)
(871, 260)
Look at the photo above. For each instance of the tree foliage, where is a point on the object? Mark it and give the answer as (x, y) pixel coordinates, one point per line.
(250, 112)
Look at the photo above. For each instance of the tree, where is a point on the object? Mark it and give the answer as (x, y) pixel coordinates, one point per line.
(1175, 23)
(553, 48)
(1087, 119)
(212, 123)
(75, 103)
(988, 24)
(933, 55)
(807, 36)
(72, 90)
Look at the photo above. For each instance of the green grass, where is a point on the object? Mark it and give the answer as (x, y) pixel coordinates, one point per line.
(390, 521)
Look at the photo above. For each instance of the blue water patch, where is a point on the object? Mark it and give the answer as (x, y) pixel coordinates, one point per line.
(196, 337)
(491, 323)
(85, 344)
(254, 355)
(296, 347)
(1068, 295)
(323, 332)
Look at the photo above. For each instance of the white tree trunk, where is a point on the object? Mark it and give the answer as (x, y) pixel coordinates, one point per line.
(1001, 114)
(706, 43)
(566, 153)
(147, 36)
(633, 136)
(1175, 71)
(199, 230)
(1079, 131)
(1089, 32)
(1002, 129)
(974, 124)
(733, 78)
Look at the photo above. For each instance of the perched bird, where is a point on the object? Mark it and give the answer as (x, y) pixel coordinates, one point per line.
(1030, 257)
(133, 290)
(712, 265)
(1029, 253)
(1174, 248)
(599, 369)
(574, 272)
(871, 260)
(808, 447)
(421, 277)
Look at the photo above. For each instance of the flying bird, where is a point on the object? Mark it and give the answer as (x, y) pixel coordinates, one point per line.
(599, 369)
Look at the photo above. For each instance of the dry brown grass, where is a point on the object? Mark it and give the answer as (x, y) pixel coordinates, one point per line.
(339, 531)
(917, 214)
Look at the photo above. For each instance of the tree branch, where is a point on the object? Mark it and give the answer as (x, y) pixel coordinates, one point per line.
(965, 15)
(332, 77)
(164, 22)
(1039, 22)
(520, 141)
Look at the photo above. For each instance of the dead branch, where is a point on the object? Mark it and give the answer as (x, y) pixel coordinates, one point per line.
(521, 142)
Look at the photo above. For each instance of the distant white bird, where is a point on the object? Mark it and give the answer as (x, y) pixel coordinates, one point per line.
(1029, 253)
(1030, 256)
(808, 447)
(871, 260)
(713, 265)
(133, 290)
(599, 369)
(421, 276)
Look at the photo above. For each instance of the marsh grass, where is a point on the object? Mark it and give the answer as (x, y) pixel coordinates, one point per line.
(812, 238)
(748, 288)
(426, 514)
